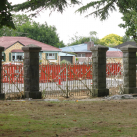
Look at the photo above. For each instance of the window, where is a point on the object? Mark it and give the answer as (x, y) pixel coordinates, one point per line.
(17, 56)
(3, 56)
(13, 58)
(50, 55)
(81, 55)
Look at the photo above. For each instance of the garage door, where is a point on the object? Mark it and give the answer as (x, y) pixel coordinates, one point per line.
(68, 58)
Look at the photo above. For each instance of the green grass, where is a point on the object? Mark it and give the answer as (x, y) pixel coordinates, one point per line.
(68, 119)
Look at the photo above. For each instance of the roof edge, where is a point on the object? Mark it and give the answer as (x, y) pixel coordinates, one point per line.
(15, 43)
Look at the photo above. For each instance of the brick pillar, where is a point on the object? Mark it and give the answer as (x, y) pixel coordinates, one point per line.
(129, 69)
(2, 95)
(99, 71)
(31, 71)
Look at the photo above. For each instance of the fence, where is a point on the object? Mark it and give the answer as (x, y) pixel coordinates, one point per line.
(57, 80)
(114, 78)
(13, 80)
(66, 80)
(31, 74)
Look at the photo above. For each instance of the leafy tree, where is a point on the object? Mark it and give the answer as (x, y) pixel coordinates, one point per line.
(5, 15)
(38, 5)
(18, 20)
(103, 7)
(41, 32)
(111, 40)
(130, 24)
(30, 5)
(21, 19)
(75, 40)
(25, 27)
(126, 38)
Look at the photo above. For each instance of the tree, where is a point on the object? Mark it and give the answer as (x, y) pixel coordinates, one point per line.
(111, 40)
(41, 32)
(103, 7)
(5, 15)
(130, 24)
(75, 40)
(39, 5)
(18, 20)
(25, 27)
(126, 38)
(31, 5)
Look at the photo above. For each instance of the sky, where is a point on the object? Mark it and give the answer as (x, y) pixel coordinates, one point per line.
(70, 23)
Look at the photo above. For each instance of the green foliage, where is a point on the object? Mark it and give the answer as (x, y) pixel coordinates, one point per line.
(80, 40)
(5, 15)
(21, 19)
(25, 27)
(18, 20)
(111, 40)
(75, 40)
(76, 59)
(130, 24)
(30, 5)
(126, 38)
(103, 7)
(65, 62)
(41, 32)
(38, 5)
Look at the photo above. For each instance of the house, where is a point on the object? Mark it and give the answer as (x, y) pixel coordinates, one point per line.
(114, 55)
(67, 56)
(84, 54)
(132, 43)
(83, 51)
(13, 49)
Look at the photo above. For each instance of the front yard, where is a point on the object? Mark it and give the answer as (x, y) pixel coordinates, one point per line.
(68, 118)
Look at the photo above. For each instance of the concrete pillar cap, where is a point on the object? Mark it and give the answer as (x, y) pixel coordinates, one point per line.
(128, 48)
(31, 48)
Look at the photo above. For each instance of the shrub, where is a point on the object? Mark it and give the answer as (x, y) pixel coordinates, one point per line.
(65, 62)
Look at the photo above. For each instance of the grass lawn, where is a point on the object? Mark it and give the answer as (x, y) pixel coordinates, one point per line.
(68, 119)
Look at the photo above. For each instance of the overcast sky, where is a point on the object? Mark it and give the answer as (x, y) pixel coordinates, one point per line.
(69, 23)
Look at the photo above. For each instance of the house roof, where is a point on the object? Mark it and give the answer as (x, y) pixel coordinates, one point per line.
(7, 41)
(132, 43)
(113, 49)
(82, 48)
(76, 48)
(112, 54)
